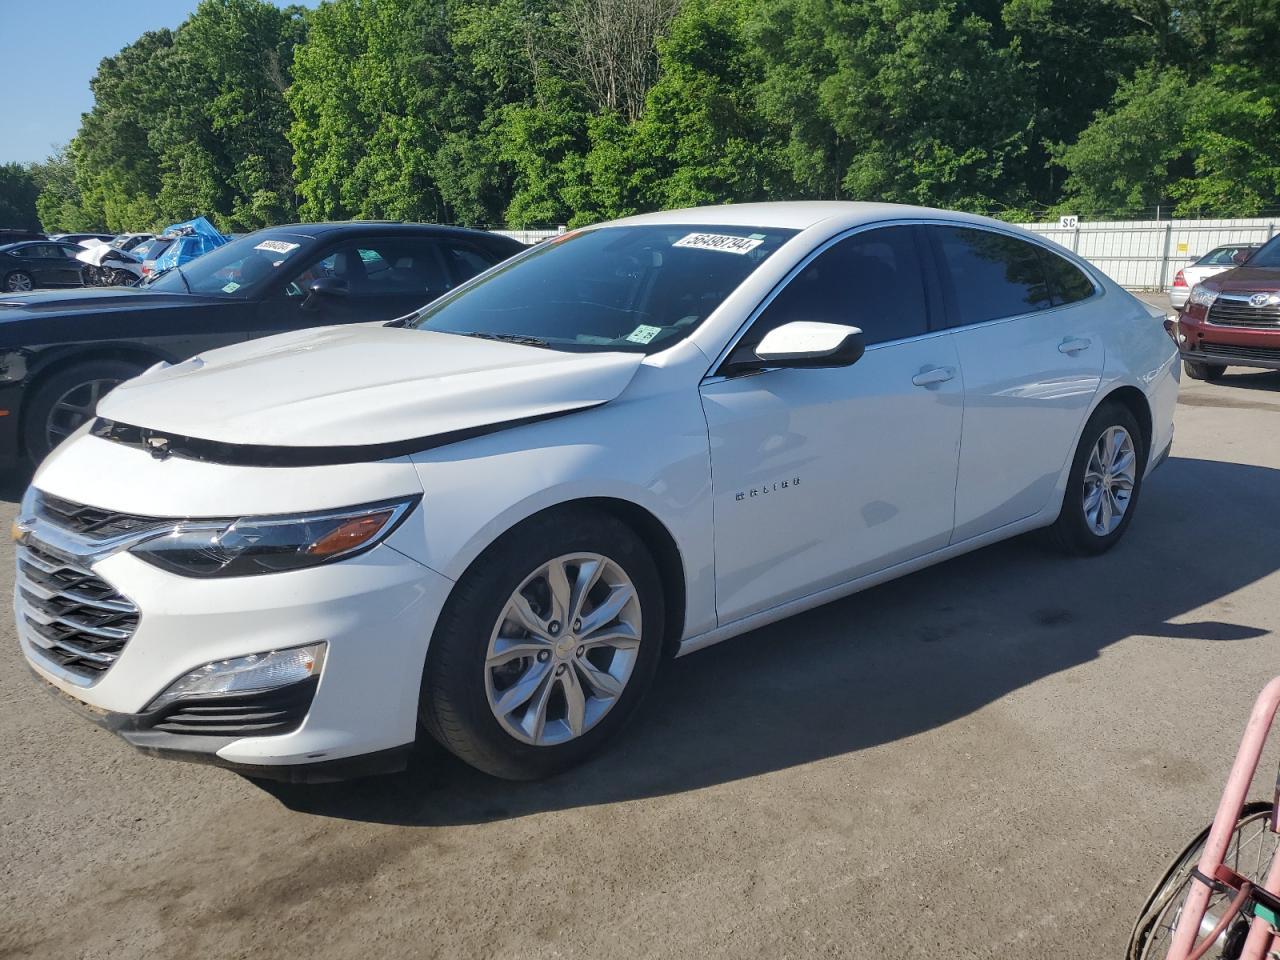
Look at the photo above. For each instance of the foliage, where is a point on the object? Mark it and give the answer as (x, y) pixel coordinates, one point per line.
(531, 112)
(18, 192)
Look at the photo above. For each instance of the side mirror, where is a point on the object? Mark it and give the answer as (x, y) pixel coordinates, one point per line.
(325, 287)
(807, 343)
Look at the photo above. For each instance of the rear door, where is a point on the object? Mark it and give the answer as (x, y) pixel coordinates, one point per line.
(1028, 330)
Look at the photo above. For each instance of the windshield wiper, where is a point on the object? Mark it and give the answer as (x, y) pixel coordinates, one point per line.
(519, 338)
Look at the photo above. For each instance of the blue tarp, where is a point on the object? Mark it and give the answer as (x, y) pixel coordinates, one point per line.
(194, 237)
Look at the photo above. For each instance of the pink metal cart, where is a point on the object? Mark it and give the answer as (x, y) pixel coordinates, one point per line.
(1220, 900)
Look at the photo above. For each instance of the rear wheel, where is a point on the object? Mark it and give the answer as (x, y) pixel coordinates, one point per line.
(546, 645)
(66, 400)
(1104, 483)
(1203, 371)
(1249, 853)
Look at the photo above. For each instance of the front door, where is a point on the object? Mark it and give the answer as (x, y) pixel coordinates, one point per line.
(824, 476)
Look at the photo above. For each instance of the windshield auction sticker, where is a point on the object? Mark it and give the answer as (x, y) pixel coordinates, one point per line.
(718, 241)
(643, 333)
(277, 246)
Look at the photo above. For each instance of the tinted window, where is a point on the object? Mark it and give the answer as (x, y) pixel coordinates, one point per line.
(1067, 283)
(993, 275)
(374, 267)
(870, 280)
(1268, 255)
(468, 262)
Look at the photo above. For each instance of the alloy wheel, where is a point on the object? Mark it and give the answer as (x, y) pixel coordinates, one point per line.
(1109, 478)
(563, 649)
(19, 283)
(74, 407)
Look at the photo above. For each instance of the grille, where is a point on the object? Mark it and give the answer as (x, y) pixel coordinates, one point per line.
(250, 715)
(79, 621)
(1271, 354)
(1230, 312)
(92, 522)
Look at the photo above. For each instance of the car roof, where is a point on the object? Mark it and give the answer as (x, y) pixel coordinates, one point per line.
(800, 214)
(342, 227)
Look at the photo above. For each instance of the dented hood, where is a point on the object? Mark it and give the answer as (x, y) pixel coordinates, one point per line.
(361, 386)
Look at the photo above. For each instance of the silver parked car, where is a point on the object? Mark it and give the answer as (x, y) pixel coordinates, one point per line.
(1216, 261)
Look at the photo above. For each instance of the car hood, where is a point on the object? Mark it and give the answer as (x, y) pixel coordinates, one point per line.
(21, 306)
(1246, 278)
(362, 386)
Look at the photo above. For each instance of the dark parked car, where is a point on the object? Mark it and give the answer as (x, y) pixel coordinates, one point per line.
(13, 235)
(59, 353)
(39, 263)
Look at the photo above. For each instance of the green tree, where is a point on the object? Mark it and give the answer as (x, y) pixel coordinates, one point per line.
(18, 192)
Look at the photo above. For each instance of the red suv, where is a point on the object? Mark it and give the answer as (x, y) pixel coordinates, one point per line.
(1233, 318)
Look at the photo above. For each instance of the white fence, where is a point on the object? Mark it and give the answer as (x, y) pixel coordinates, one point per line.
(1147, 254)
(1139, 254)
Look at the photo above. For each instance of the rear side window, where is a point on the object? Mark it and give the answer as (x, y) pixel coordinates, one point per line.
(1067, 283)
(468, 262)
(872, 280)
(992, 275)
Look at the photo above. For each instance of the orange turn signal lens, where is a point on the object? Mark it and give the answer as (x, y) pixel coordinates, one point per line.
(350, 534)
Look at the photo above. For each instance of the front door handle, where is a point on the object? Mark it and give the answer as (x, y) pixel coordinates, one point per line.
(1074, 345)
(927, 378)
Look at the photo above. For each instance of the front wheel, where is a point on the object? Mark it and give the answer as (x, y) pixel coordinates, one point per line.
(546, 645)
(19, 281)
(66, 400)
(1104, 483)
(1208, 372)
(1249, 853)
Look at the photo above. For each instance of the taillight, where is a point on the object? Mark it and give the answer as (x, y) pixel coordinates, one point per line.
(1180, 280)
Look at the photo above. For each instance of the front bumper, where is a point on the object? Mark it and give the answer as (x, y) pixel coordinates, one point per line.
(1225, 356)
(375, 612)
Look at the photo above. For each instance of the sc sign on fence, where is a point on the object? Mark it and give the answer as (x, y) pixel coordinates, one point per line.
(1068, 223)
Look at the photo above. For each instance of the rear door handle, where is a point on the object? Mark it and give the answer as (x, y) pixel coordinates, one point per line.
(1074, 345)
(927, 378)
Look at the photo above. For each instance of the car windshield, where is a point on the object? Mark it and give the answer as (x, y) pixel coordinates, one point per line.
(1268, 255)
(638, 288)
(233, 269)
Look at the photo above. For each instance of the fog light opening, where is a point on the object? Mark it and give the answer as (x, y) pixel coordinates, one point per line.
(254, 673)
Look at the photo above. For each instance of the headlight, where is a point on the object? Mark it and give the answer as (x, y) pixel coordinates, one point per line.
(253, 545)
(1202, 296)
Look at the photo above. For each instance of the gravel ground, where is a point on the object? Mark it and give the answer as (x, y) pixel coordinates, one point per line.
(992, 758)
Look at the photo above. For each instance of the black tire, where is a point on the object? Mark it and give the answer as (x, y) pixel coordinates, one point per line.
(453, 705)
(1071, 532)
(13, 280)
(35, 415)
(1174, 881)
(1208, 372)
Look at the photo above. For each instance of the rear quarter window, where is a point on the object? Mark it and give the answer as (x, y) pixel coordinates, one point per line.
(1067, 282)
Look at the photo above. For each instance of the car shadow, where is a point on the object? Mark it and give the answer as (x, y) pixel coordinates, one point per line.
(14, 480)
(891, 662)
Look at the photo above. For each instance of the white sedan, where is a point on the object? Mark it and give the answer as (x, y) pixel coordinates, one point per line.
(1216, 261)
(491, 518)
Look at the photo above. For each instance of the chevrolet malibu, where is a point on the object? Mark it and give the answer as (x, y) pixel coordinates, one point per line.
(491, 519)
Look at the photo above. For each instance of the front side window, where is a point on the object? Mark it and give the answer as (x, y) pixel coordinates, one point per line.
(379, 267)
(630, 288)
(1268, 254)
(871, 280)
(992, 275)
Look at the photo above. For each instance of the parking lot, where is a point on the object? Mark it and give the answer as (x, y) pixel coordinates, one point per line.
(992, 758)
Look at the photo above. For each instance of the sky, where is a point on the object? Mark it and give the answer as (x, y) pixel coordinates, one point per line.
(52, 48)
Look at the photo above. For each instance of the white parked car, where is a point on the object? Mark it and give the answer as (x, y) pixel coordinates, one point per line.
(491, 518)
(1216, 261)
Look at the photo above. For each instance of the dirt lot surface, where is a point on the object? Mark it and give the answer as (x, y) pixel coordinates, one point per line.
(992, 758)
